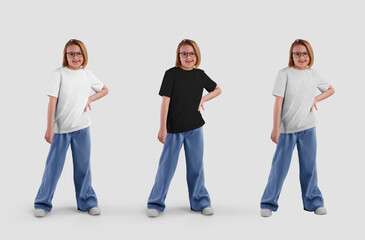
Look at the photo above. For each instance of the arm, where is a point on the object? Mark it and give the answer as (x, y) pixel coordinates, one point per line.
(329, 92)
(104, 91)
(217, 91)
(163, 119)
(276, 126)
(50, 117)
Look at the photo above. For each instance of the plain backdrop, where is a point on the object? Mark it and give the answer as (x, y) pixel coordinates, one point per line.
(131, 44)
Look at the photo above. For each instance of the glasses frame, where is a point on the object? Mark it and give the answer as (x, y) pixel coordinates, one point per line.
(75, 54)
(189, 54)
(301, 54)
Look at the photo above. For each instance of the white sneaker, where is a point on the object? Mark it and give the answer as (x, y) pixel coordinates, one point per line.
(151, 212)
(39, 212)
(208, 211)
(320, 211)
(94, 211)
(266, 212)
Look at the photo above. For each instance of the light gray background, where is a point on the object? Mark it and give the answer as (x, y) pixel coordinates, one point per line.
(131, 43)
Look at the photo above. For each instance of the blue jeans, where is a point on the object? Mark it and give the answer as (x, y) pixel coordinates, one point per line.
(80, 146)
(307, 148)
(194, 147)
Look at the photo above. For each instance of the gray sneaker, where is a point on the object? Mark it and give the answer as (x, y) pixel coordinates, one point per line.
(320, 211)
(208, 211)
(266, 212)
(94, 211)
(39, 212)
(151, 212)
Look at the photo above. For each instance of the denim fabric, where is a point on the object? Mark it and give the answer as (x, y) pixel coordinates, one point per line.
(194, 147)
(80, 146)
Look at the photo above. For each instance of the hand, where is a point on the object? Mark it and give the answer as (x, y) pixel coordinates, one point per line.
(275, 135)
(162, 135)
(201, 104)
(88, 105)
(314, 104)
(49, 135)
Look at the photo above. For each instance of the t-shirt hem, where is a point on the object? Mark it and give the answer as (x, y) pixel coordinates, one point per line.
(49, 94)
(184, 130)
(164, 94)
(71, 130)
(98, 89)
(275, 94)
(298, 129)
(327, 87)
(215, 86)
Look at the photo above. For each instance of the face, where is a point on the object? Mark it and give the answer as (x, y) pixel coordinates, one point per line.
(74, 57)
(187, 57)
(301, 57)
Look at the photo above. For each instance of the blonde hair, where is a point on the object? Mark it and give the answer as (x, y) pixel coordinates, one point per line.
(83, 50)
(196, 50)
(307, 46)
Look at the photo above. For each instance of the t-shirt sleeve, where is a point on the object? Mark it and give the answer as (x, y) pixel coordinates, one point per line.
(280, 84)
(322, 84)
(96, 84)
(167, 84)
(209, 84)
(54, 84)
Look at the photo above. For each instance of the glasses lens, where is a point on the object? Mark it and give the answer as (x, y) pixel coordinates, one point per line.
(73, 54)
(186, 54)
(298, 54)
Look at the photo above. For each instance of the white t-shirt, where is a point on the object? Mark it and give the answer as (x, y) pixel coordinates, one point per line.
(298, 88)
(72, 89)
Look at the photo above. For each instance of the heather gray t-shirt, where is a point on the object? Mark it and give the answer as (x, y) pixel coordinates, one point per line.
(298, 88)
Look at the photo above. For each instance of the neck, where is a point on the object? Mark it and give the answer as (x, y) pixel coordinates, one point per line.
(182, 67)
(300, 68)
(73, 68)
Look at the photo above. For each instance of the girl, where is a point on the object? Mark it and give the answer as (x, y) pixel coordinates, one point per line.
(68, 123)
(181, 124)
(294, 124)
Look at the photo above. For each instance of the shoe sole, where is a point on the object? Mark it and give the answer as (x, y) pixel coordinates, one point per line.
(153, 214)
(266, 214)
(39, 215)
(94, 214)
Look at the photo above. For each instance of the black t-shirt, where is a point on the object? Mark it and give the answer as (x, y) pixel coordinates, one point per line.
(185, 89)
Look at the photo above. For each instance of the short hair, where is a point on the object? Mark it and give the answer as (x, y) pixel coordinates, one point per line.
(196, 50)
(83, 50)
(307, 46)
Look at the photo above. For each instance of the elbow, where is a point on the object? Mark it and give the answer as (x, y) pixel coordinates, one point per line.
(332, 90)
(219, 90)
(106, 90)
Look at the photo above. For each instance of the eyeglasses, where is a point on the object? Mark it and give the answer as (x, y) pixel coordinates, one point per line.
(75, 54)
(299, 54)
(186, 54)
